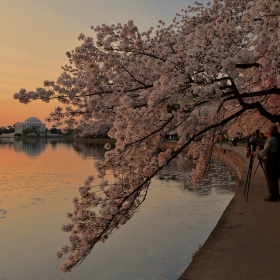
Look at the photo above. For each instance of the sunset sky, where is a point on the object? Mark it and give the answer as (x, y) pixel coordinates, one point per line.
(35, 35)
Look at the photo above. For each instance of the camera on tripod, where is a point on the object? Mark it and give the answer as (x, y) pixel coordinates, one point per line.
(251, 144)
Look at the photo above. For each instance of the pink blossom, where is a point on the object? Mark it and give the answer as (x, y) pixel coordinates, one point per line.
(215, 69)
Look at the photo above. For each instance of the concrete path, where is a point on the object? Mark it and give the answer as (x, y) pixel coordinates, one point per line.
(245, 244)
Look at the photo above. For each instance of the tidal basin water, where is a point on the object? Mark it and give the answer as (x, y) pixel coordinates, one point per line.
(40, 177)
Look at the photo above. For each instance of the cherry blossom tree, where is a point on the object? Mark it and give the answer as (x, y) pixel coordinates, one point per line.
(93, 129)
(215, 68)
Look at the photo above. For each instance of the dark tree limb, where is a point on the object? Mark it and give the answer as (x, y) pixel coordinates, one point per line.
(270, 91)
(264, 112)
(247, 65)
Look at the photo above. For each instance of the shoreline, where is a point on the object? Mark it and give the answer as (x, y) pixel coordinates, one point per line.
(245, 242)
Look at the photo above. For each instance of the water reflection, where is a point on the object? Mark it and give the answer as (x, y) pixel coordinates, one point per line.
(89, 150)
(33, 147)
(180, 169)
(177, 170)
(36, 193)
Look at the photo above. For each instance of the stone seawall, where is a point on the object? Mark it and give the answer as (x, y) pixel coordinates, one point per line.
(231, 159)
(245, 242)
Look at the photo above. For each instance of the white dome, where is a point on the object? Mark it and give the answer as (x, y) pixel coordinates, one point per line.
(33, 120)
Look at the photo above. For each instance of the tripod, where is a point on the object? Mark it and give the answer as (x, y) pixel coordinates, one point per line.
(248, 180)
(259, 164)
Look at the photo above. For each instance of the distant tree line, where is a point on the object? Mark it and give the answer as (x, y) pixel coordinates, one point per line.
(5, 130)
(93, 129)
(55, 130)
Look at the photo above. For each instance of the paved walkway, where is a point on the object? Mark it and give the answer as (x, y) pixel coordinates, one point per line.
(245, 244)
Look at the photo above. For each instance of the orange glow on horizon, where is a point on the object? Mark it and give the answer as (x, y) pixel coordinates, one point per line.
(35, 36)
(31, 51)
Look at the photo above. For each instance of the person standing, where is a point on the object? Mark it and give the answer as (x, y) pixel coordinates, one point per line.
(270, 162)
(261, 136)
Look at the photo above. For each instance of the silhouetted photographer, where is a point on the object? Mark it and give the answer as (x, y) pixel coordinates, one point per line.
(269, 158)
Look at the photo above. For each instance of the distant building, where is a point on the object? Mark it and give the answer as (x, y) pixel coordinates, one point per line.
(31, 123)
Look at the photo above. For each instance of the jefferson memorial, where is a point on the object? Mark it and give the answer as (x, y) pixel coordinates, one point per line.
(31, 123)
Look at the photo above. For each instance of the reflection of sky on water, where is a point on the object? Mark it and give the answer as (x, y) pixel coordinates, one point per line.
(157, 243)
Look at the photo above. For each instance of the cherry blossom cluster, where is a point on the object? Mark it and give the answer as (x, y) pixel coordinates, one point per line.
(92, 129)
(214, 69)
